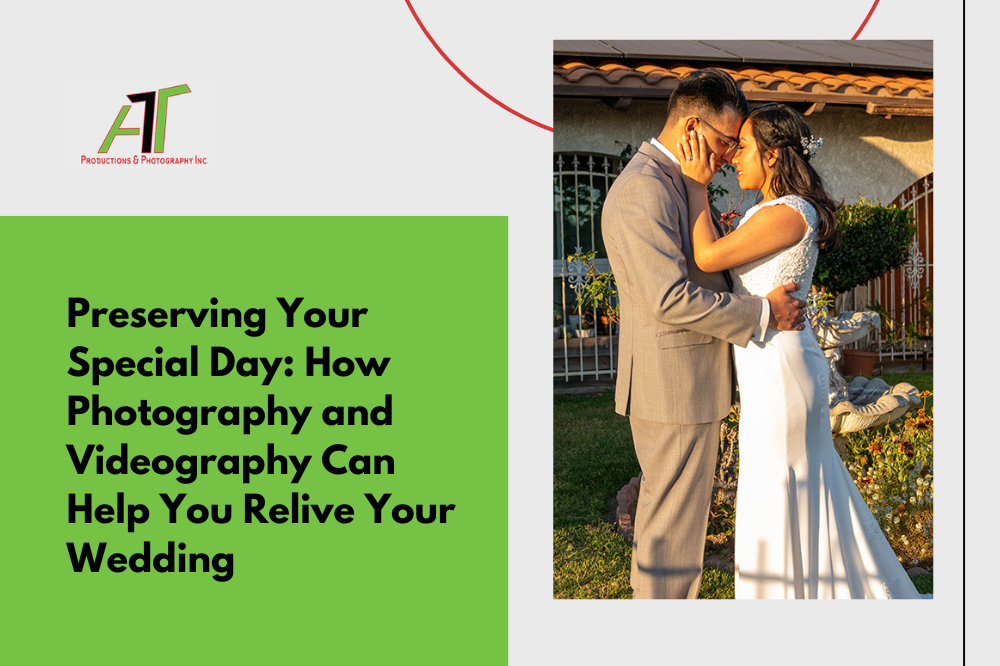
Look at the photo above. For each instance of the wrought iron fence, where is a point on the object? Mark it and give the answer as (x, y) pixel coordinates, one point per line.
(905, 295)
(584, 346)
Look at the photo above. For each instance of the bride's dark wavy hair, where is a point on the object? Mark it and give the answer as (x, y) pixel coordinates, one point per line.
(782, 128)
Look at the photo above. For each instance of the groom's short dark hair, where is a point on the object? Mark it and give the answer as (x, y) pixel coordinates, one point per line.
(707, 91)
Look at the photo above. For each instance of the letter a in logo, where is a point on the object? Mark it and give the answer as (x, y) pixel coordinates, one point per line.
(147, 122)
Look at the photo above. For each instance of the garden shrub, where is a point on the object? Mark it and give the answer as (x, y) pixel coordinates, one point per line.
(873, 241)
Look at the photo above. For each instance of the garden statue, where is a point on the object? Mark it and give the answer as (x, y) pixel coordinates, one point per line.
(871, 403)
(865, 403)
(874, 240)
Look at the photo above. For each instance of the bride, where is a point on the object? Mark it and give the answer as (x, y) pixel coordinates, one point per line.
(803, 530)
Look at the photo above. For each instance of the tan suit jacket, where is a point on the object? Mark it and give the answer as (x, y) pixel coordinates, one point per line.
(677, 322)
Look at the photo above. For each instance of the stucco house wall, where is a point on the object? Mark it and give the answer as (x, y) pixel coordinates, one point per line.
(863, 155)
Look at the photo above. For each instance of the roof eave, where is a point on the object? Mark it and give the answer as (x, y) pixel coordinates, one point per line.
(639, 90)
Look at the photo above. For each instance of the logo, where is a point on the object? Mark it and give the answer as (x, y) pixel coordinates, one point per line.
(153, 132)
(147, 99)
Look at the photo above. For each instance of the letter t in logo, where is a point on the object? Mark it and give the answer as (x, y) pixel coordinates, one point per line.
(161, 113)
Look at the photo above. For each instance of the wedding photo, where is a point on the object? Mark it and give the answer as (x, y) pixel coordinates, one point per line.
(743, 349)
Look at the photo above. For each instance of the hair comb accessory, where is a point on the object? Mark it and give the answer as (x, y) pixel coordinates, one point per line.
(811, 145)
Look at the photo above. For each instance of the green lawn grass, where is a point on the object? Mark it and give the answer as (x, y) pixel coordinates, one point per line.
(593, 459)
(591, 562)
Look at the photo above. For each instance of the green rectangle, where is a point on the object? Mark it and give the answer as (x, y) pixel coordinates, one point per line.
(360, 592)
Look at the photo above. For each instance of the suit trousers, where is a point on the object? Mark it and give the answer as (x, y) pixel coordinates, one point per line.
(675, 494)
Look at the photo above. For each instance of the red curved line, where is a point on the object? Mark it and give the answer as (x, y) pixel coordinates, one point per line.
(865, 22)
(470, 81)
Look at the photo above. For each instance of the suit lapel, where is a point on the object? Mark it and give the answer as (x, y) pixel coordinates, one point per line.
(673, 173)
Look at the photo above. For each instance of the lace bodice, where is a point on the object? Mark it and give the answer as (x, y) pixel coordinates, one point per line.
(792, 264)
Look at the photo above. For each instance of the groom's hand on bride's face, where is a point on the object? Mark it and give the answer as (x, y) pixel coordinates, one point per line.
(787, 312)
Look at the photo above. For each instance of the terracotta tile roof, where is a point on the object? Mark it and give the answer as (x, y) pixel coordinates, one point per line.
(750, 78)
(855, 54)
(592, 78)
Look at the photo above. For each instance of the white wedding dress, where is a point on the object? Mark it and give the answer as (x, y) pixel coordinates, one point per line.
(803, 530)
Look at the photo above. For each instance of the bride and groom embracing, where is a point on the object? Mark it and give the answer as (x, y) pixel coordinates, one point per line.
(689, 296)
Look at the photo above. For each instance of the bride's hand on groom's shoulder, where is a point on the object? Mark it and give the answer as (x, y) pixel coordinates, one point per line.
(697, 160)
(787, 312)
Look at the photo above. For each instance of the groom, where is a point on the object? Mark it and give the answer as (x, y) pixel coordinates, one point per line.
(675, 374)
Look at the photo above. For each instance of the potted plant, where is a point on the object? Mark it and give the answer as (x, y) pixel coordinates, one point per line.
(601, 296)
(597, 294)
(859, 362)
(873, 241)
(581, 319)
